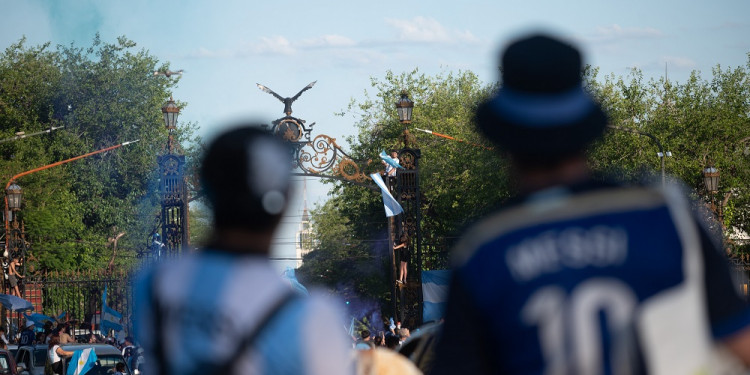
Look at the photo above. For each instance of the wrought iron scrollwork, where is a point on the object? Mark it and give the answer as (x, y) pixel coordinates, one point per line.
(324, 158)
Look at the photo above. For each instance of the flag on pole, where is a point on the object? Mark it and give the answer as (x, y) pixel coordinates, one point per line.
(289, 276)
(37, 318)
(392, 208)
(392, 162)
(81, 362)
(110, 318)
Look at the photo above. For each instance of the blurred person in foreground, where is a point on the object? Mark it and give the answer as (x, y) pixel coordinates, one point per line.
(579, 276)
(224, 309)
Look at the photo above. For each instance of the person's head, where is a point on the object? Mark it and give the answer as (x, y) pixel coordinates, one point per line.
(364, 334)
(120, 367)
(404, 238)
(29, 325)
(403, 334)
(541, 115)
(394, 154)
(378, 341)
(391, 341)
(245, 174)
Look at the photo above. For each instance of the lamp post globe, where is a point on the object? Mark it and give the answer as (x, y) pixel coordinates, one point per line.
(171, 111)
(404, 107)
(14, 195)
(711, 179)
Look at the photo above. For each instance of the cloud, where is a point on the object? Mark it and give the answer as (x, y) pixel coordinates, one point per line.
(617, 33)
(277, 46)
(274, 45)
(327, 41)
(428, 30)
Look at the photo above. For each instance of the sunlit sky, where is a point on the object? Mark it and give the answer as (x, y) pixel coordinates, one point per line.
(226, 47)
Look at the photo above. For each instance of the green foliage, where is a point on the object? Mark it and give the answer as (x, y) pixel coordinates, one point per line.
(200, 224)
(459, 181)
(104, 95)
(701, 122)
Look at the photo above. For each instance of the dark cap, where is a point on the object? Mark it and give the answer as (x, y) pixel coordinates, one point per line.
(542, 107)
(246, 175)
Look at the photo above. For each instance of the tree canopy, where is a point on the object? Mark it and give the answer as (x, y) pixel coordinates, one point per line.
(103, 95)
(700, 122)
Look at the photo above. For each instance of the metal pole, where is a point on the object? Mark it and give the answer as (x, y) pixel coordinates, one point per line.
(23, 135)
(47, 167)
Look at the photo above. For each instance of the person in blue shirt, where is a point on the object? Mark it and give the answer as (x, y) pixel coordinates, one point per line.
(578, 276)
(27, 335)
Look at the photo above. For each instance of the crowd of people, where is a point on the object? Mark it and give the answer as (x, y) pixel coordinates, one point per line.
(53, 335)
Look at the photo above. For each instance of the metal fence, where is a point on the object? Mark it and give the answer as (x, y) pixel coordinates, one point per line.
(78, 295)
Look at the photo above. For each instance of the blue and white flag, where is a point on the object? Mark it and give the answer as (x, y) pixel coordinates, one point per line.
(81, 362)
(435, 294)
(288, 275)
(38, 319)
(110, 318)
(392, 162)
(392, 208)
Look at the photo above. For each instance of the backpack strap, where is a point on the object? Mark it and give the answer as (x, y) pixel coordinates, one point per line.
(227, 366)
(248, 340)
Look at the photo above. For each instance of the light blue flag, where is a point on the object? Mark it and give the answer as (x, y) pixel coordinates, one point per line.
(434, 294)
(38, 319)
(110, 318)
(81, 362)
(392, 208)
(393, 163)
(293, 282)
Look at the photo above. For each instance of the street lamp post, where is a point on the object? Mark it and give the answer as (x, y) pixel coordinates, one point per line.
(174, 200)
(171, 111)
(13, 195)
(661, 152)
(409, 222)
(404, 107)
(711, 180)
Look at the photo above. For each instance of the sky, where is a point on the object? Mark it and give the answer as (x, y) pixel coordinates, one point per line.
(226, 47)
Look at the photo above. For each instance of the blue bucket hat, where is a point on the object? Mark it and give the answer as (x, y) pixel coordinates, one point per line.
(542, 108)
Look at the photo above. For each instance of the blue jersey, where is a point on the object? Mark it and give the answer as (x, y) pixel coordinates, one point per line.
(27, 338)
(609, 280)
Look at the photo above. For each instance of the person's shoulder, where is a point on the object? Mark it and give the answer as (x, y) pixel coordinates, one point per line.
(555, 205)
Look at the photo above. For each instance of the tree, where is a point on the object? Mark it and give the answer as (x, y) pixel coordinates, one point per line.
(459, 182)
(701, 122)
(104, 95)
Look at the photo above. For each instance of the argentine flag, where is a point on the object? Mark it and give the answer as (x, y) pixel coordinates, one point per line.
(393, 163)
(435, 294)
(110, 318)
(81, 362)
(392, 208)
